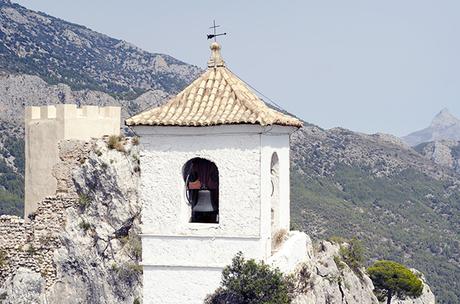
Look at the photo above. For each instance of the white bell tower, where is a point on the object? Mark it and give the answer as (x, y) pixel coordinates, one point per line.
(214, 181)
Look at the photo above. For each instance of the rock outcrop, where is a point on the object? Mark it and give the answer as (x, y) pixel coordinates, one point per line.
(444, 126)
(382, 191)
(325, 278)
(444, 152)
(81, 245)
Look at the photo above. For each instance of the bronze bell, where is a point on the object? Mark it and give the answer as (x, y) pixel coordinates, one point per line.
(204, 203)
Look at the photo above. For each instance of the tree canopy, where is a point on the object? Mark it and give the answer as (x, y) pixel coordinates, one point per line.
(393, 279)
(251, 282)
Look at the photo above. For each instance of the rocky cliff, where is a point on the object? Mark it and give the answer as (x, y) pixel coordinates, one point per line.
(325, 277)
(400, 203)
(445, 153)
(82, 245)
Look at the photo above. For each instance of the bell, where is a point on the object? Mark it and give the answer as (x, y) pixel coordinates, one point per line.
(203, 202)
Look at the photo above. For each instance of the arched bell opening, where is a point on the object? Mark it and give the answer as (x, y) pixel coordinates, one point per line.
(275, 198)
(201, 178)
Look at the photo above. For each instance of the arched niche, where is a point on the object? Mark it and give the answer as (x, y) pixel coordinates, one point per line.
(275, 197)
(201, 179)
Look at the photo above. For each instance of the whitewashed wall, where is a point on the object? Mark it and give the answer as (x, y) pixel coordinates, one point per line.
(182, 260)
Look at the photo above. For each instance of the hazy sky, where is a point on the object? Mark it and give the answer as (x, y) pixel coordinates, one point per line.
(370, 66)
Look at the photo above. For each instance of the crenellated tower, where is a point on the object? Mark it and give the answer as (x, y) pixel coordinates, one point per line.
(47, 125)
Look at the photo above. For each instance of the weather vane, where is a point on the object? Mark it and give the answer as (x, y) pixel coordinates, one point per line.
(214, 27)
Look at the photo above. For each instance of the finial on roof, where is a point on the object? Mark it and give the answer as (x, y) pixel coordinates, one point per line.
(216, 59)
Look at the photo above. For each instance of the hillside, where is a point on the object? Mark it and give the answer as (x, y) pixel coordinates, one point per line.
(46, 60)
(443, 152)
(404, 206)
(62, 52)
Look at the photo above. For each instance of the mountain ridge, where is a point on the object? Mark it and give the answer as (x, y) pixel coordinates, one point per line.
(63, 52)
(444, 126)
(402, 204)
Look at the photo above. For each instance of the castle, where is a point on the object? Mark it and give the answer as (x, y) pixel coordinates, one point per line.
(47, 125)
(214, 163)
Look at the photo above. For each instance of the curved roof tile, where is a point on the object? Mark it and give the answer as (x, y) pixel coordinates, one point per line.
(217, 97)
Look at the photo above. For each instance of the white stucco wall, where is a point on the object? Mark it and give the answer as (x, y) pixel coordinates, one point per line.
(193, 251)
(177, 285)
(182, 260)
(237, 157)
(275, 142)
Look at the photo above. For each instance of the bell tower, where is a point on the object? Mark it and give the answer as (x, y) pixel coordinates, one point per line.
(214, 181)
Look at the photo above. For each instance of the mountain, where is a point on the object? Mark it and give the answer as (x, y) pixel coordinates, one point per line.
(443, 152)
(444, 126)
(404, 206)
(401, 203)
(46, 60)
(62, 52)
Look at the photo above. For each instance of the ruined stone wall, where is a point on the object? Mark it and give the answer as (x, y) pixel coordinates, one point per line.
(30, 242)
(82, 244)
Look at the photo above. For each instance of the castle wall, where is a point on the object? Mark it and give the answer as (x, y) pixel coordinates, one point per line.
(44, 127)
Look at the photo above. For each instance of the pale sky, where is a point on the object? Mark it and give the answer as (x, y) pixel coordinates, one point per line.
(370, 66)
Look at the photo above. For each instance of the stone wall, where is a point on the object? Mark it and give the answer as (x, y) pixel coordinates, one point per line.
(80, 245)
(31, 243)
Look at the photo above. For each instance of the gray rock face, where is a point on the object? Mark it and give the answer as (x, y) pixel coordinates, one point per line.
(24, 287)
(444, 152)
(87, 249)
(322, 151)
(20, 90)
(330, 280)
(444, 126)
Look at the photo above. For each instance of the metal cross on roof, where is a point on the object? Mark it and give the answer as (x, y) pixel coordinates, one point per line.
(214, 27)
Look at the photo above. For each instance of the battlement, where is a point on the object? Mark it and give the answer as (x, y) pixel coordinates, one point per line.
(71, 111)
(45, 127)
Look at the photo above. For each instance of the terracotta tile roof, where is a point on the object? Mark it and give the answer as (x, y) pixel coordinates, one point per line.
(217, 97)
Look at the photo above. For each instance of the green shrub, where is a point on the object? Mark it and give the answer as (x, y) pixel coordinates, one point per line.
(337, 239)
(353, 255)
(126, 272)
(338, 262)
(393, 279)
(250, 282)
(135, 246)
(83, 201)
(137, 301)
(84, 225)
(115, 143)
